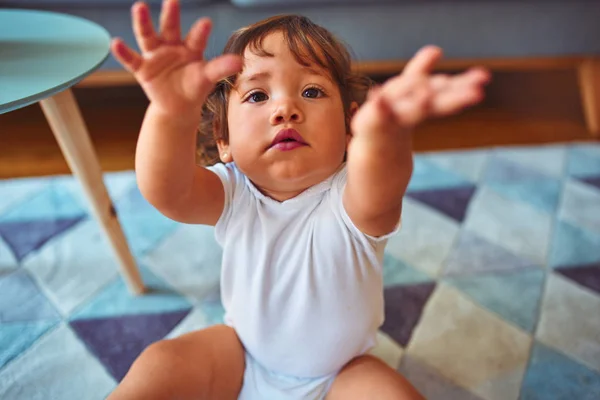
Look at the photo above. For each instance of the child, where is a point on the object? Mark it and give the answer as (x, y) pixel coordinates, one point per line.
(309, 189)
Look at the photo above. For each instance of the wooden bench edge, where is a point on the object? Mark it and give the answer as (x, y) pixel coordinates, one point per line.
(124, 78)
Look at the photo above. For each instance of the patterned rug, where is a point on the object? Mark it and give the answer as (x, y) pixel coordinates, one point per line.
(492, 286)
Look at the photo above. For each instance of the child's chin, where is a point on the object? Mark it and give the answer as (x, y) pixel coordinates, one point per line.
(307, 172)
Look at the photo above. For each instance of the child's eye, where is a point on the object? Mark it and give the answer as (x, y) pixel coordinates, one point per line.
(313, 93)
(256, 97)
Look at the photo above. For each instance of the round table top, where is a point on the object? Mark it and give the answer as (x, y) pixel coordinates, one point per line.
(43, 53)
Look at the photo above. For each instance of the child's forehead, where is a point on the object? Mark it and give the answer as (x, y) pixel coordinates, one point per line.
(264, 69)
(275, 51)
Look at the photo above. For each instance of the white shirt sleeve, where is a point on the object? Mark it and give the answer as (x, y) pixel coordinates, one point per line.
(230, 177)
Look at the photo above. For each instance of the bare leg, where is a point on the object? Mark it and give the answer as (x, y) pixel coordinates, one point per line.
(369, 378)
(206, 364)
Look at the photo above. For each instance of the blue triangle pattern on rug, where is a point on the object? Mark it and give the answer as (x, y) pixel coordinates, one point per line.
(117, 183)
(592, 181)
(427, 175)
(8, 261)
(115, 299)
(214, 311)
(585, 275)
(403, 307)
(397, 272)
(26, 236)
(466, 164)
(17, 191)
(118, 341)
(515, 273)
(499, 169)
(452, 202)
(521, 183)
(580, 205)
(514, 295)
(7, 256)
(17, 337)
(143, 225)
(583, 163)
(553, 375)
(21, 300)
(54, 202)
(572, 245)
(541, 194)
(547, 159)
(474, 254)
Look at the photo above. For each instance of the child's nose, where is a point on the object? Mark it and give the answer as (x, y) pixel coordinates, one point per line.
(279, 118)
(286, 112)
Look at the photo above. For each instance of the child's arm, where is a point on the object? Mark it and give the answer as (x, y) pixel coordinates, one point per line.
(176, 79)
(380, 153)
(167, 174)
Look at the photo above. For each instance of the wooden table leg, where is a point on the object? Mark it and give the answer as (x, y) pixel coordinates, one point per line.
(589, 82)
(64, 117)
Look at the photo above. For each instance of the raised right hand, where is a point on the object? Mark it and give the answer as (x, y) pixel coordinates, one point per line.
(171, 71)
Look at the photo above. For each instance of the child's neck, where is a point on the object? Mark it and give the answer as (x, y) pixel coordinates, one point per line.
(280, 196)
(286, 189)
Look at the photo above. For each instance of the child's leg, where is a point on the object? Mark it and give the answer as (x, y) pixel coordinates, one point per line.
(206, 364)
(367, 377)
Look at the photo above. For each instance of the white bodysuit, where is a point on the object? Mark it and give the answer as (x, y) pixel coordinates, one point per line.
(300, 284)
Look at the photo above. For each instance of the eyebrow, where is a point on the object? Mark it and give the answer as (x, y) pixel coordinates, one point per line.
(265, 75)
(256, 77)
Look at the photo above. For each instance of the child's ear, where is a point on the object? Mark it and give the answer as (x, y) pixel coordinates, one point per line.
(224, 152)
(351, 111)
(222, 145)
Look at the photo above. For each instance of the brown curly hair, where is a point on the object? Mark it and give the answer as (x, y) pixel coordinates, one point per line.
(309, 43)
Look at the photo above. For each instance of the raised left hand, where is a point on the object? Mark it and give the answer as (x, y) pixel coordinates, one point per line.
(416, 94)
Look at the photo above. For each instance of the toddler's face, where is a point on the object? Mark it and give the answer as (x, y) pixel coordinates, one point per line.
(286, 122)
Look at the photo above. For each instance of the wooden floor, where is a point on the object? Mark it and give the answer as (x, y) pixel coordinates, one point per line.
(521, 108)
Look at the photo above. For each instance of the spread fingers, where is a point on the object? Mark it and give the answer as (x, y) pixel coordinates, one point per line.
(145, 35)
(423, 62)
(198, 36)
(125, 55)
(170, 23)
